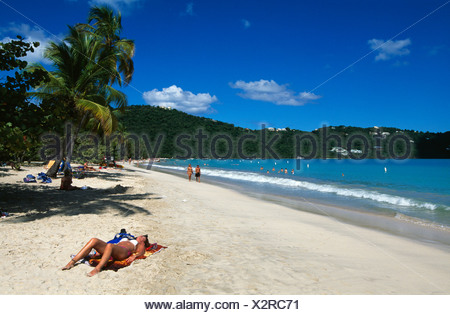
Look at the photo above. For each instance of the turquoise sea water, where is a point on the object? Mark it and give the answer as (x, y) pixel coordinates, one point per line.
(417, 189)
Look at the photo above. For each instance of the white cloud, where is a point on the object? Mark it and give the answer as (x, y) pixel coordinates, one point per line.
(30, 34)
(246, 23)
(389, 49)
(270, 91)
(185, 101)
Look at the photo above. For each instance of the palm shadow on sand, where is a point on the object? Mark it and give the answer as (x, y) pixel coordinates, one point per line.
(34, 201)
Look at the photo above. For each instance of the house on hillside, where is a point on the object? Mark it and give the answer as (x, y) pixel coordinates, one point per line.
(339, 150)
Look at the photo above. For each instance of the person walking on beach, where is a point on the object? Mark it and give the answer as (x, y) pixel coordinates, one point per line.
(189, 171)
(197, 173)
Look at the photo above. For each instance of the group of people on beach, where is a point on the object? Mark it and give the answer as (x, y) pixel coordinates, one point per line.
(125, 249)
(197, 172)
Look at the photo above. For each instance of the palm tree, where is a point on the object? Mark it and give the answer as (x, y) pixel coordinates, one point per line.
(82, 69)
(107, 28)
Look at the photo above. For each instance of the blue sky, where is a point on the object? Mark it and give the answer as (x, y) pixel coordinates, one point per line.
(297, 64)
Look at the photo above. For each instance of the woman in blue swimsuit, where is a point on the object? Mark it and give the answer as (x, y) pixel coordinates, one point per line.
(125, 249)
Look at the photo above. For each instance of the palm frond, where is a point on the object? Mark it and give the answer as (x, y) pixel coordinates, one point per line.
(116, 97)
(91, 58)
(101, 113)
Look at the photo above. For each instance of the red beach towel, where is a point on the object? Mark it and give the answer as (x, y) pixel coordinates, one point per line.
(116, 264)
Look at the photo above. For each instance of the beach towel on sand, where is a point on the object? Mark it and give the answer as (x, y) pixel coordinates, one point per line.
(116, 265)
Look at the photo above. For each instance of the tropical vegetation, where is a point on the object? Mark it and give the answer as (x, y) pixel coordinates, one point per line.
(20, 120)
(183, 134)
(79, 87)
(79, 91)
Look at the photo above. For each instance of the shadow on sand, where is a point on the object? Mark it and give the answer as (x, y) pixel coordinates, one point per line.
(30, 202)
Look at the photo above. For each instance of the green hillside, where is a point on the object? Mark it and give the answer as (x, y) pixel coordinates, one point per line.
(188, 136)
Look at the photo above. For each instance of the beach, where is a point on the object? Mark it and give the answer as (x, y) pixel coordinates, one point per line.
(219, 241)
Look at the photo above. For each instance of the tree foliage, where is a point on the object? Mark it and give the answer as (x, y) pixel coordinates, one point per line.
(78, 88)
(20, 120)
(182, 139)
(85, 64)
(106, 27)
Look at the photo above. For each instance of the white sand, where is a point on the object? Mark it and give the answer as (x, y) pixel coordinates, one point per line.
(219, 242)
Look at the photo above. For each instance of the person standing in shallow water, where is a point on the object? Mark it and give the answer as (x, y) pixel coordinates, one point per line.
(189, 171)
(197, 173)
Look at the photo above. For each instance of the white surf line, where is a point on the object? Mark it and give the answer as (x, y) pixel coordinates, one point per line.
(347, 227)
(363, 57)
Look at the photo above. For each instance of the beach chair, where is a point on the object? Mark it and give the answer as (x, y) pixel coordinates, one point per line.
(49, 164)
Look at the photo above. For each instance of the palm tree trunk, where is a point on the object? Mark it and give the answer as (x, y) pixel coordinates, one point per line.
(70, 139)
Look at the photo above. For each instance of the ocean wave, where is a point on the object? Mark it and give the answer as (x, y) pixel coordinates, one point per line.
(323, 188)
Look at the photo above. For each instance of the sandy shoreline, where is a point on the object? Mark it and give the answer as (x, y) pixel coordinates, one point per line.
(219, 242)
(402, 225)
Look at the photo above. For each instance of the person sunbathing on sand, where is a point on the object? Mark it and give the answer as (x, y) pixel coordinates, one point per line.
(125, 249)
(86, 167)
(66, 181)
